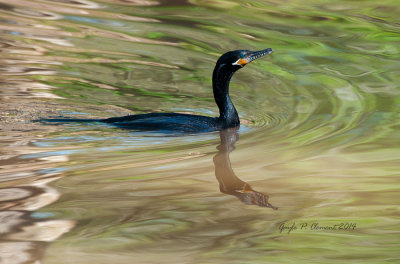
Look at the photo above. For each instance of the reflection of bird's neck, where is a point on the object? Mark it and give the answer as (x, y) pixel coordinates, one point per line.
(229, 183)
(228, 116)
(227, 179)
(228, 138)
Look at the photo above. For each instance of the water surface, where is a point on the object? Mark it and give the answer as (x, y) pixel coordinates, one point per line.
(318, 147)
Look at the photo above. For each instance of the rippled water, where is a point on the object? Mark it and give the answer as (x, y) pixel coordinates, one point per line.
(319, 145)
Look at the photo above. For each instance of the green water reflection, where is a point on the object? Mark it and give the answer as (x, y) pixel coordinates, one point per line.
(321, 118)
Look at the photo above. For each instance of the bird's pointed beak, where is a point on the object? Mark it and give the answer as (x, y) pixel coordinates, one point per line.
(257, 54)
(252, 55)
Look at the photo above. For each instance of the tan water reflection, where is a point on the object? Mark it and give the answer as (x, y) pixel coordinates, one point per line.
(229, 183)
(24, 235)
(326, 108)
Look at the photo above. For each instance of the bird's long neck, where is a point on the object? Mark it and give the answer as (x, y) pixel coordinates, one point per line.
(228, 116)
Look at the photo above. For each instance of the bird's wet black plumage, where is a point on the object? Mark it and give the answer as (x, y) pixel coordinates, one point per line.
(224, 69)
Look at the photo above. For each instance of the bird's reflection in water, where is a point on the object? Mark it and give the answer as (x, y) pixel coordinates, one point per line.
(229, 183)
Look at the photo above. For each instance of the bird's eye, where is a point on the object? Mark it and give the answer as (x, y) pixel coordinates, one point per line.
(242, 55)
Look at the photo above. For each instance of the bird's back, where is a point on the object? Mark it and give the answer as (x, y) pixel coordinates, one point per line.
(165, 122)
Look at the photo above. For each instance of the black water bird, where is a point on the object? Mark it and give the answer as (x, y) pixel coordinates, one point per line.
(224, 69)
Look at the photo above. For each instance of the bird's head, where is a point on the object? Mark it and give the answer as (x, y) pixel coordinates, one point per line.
(237, 59)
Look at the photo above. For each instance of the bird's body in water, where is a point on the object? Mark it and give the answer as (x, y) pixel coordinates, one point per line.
(224, 69)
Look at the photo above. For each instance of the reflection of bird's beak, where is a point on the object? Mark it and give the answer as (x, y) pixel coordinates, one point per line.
(252, 56)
